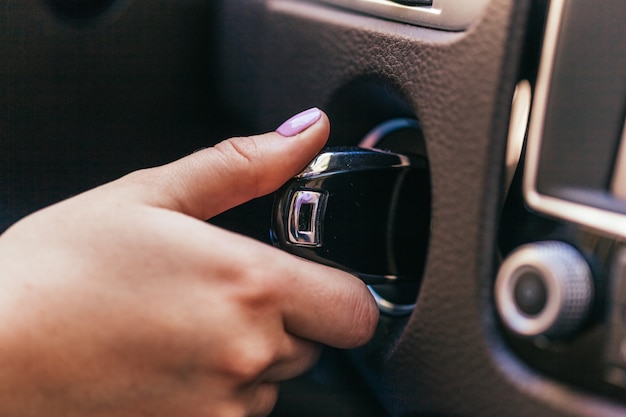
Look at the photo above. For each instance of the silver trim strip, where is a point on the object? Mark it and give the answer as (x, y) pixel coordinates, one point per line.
(602, 220)
(520, 109)
(389, 308)
(379, 132)
(337, 160)
(454, 15)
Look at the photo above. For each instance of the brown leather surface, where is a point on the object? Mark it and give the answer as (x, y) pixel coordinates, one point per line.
(449, 360)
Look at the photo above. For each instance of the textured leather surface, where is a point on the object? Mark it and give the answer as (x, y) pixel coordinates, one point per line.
(449, 359)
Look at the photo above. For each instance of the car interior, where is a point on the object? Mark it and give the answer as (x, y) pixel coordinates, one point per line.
(475, 175)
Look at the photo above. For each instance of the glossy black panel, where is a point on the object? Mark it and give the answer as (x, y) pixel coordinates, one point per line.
(376, 217)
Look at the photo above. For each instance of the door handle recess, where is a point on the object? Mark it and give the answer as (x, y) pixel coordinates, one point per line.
(365, 211)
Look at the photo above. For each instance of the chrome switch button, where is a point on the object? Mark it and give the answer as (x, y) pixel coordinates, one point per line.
(304, 218)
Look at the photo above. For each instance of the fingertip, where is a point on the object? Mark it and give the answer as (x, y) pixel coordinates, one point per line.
(366, 317)
(315, 129)
(321, 130)
(328, 305)
(299, 122)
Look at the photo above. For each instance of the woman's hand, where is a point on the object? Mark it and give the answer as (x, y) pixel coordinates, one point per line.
(122, 301)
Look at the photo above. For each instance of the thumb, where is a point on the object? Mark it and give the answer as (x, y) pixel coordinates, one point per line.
(238, 169)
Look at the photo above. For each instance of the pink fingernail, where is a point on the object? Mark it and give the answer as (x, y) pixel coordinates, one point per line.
(300, 122)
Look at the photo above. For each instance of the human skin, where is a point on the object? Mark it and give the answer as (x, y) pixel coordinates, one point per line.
(123, 301)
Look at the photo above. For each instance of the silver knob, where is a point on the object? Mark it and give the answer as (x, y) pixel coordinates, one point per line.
(544, 288)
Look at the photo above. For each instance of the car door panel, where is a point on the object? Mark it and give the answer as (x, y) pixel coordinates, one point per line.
(90, 95)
